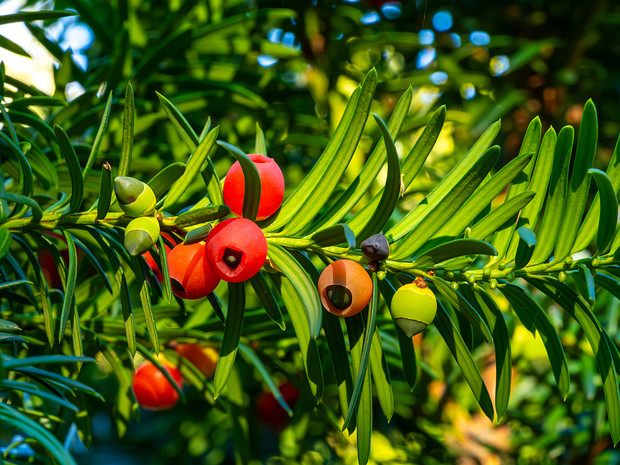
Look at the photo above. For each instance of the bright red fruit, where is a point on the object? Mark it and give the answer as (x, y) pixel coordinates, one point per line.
(191, 276)
(236, 249)
(152, 389)
(272, 186)
(271, 412)
(150, 261)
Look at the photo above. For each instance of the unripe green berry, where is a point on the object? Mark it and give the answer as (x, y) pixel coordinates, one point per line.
(414, 307)
(141, 234)
(134, 197)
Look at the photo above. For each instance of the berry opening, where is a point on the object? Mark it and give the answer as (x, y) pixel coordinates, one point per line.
(177, 286)
(339, 296)
(232, 258)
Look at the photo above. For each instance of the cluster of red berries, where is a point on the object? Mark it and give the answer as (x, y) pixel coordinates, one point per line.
(153, 390)
(235, 249)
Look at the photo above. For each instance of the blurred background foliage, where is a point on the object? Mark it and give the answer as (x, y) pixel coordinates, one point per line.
(290, 67)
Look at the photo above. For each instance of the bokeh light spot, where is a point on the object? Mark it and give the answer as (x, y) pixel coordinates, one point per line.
(499, 65)
(425, 57)
(426, 37)
(442, 21)
(468, 91)
(266, 61)
(275, 35)
(391, 10)
(78, 37)
(456, 39)
(439, 77)
(73, 90)
(370, 18)
(479, 38)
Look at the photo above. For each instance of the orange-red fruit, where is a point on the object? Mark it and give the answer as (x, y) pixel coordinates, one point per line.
(344, 288)
(271, 192)
(150, 261)
(271, 412)
(191, 276)
(203, 358)
(236, 249)
(152, 389)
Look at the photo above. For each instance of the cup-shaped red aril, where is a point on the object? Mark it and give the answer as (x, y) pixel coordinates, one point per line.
(344, 288)
(152, 389)
(150, 261)
(236, 249)
(272, 186)
(191, 277)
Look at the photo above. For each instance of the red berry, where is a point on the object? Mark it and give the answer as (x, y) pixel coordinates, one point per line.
(202, 357)
(150, 261)
(191, 276)
(236, 249)
(152, 389)
(271, 412)
(272, 186)
(345, 288)
(50, 270)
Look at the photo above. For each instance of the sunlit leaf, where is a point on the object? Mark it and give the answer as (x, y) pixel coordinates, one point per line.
(464, 359)
(556, 198)
(535, 319)
(608, 209)
(128, 131)
(579, 185)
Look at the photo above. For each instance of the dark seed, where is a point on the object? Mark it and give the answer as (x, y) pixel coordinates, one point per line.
(339, 296)
(232, 258)
(376, 247)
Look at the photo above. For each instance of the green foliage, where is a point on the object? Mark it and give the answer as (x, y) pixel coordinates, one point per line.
(495, 264)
